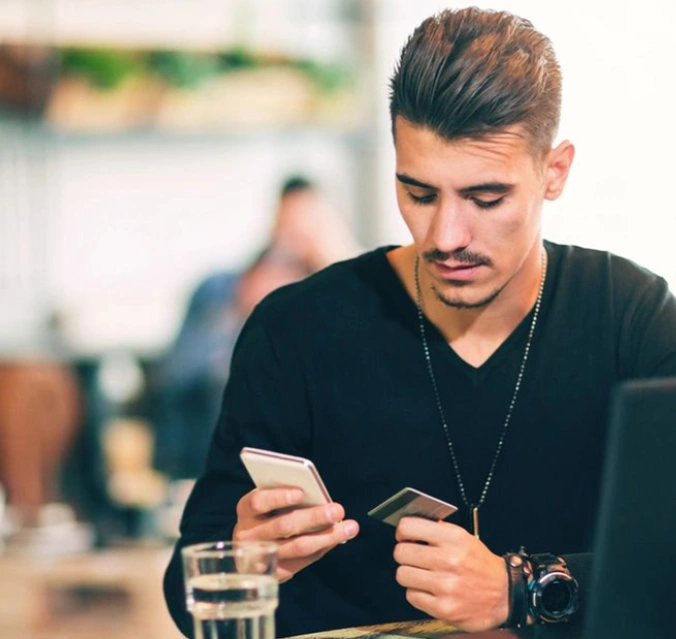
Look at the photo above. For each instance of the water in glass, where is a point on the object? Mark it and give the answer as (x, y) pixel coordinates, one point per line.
(233, 606)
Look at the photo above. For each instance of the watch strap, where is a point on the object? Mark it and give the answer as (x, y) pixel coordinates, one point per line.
(517, 570)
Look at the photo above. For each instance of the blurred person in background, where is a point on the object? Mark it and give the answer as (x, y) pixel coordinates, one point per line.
(307, 235)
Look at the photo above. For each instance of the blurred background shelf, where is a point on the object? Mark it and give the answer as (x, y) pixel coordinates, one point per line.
(182, 103)
(99, 90)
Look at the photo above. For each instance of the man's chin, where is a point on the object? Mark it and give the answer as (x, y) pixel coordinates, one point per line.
(459, 302)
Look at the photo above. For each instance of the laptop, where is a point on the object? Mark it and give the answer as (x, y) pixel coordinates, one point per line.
(632, 591)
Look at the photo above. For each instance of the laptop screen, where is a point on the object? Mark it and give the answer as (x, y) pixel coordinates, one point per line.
(633, 586)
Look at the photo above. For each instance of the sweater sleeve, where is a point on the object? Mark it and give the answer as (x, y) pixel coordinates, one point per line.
(263, 406)
(648, 333)
(647, 349)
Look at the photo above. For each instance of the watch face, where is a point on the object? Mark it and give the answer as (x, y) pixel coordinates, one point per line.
(557, 597)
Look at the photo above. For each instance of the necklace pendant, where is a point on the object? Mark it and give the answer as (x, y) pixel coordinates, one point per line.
(475, 521)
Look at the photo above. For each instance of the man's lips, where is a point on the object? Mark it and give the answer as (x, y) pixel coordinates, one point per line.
(457, 271)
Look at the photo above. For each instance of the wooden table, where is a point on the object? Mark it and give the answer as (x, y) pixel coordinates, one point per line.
(103, 595)
(434, 629)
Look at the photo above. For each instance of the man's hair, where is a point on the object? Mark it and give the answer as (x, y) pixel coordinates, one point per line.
(470, 73)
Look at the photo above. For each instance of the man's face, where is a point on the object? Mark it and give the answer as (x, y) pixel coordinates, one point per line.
(473, 208)
(299, 220)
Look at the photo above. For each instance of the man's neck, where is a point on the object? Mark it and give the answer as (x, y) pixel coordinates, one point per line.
(475, 333)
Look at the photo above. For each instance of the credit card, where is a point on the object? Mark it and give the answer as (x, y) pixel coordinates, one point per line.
(409, 502)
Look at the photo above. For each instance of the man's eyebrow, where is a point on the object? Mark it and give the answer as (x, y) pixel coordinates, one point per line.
(487, 187)
(407, 179)
(500, 188)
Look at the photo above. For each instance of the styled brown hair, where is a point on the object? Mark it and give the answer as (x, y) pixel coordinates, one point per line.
(470, 73)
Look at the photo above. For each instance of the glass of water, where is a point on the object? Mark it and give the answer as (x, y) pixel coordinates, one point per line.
(231, 589)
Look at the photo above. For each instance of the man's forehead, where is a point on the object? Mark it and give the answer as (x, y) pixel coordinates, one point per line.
(506, 149)
(503, 144)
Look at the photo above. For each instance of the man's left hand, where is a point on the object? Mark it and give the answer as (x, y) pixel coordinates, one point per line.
(451, 575)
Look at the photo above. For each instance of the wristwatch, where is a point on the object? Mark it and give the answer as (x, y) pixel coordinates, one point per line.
(553, 592)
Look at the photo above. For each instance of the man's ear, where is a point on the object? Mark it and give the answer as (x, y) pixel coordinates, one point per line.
(557, 168)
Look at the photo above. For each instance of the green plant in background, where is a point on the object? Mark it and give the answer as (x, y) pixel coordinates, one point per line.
(183, 69)
(326, 77)
(109, 68)
(237, 59)
(105, 68)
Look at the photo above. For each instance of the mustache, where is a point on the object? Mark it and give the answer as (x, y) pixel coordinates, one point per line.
(461, 255)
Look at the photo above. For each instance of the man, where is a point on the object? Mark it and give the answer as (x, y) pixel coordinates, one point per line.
(474, 365)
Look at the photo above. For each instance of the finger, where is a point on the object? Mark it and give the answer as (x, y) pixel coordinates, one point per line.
(431, 532)
(418, 555)
(309, 545)
(416, 578)
(262, 501)
(301, 521)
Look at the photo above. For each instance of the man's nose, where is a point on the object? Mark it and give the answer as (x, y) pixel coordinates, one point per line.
(451, 230)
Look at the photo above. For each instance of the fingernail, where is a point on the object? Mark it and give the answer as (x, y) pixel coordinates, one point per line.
(334, 513)
(350, 529)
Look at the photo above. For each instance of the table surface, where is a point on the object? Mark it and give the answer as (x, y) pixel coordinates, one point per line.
(435, 629)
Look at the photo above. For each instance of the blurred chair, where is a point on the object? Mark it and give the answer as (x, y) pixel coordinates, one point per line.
(40, 414)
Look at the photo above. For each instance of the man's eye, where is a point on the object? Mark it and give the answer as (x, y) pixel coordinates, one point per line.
(422, 199)
(487, 204)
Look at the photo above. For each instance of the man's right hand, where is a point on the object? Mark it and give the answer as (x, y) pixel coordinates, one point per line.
(303, 535)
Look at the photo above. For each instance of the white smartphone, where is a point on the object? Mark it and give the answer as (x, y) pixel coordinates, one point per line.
(409, 502)
(270, 470)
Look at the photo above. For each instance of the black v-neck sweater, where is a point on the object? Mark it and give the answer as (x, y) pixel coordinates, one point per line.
(332, 368)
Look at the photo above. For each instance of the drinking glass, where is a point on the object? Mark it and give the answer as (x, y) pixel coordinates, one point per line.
(231, 589)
